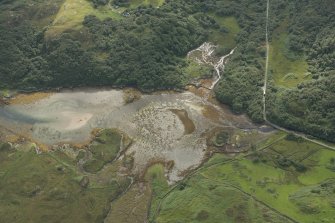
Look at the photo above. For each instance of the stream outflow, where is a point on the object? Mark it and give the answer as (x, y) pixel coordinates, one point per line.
(207, 49)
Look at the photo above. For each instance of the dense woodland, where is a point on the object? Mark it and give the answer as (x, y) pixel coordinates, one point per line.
(243, 78)
(147, 49)
(310, 107)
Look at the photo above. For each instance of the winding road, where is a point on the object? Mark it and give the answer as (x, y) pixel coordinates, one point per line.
(264, 88)
(266, 60)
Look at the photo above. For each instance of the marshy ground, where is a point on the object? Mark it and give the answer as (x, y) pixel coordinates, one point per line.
(107, 158)
(164, 126)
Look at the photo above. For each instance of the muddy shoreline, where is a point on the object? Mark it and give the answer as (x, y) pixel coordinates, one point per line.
(166, 126)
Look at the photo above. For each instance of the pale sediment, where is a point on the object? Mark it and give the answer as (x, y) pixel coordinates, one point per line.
(164, 126)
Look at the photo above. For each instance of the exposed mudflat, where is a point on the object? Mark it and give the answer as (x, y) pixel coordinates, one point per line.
(164, 126)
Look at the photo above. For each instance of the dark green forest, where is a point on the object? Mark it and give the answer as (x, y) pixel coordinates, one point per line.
(144, 50)
(147, 48)
(310, 107)
(243, 77)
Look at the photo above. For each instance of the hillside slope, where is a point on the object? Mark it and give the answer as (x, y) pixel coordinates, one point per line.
(71, 43)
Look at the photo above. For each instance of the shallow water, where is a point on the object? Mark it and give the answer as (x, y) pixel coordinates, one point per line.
(189, 126)
(152, 121)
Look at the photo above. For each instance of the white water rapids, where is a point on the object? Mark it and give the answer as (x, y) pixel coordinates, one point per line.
(207, 50)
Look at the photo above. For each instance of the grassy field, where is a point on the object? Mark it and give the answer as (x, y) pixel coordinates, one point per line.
(294, 177)
(72, 13)
(281, 178)
(286, 72)
(225, 39)
(104, 149)
(193, 70)
(159, 186)
(37, 188)
(154, 3)
(207, 200)
(51, 187)
(132, 206)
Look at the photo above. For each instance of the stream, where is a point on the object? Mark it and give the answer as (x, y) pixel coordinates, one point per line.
(207, 49)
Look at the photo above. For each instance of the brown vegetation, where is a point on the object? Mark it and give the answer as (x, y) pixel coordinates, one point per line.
(29, 98)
